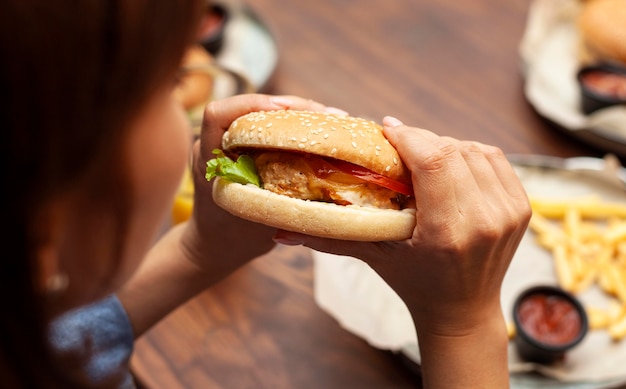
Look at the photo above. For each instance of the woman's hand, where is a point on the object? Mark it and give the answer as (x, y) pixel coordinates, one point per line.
(216, 240)
(192, 256)
(472, 212)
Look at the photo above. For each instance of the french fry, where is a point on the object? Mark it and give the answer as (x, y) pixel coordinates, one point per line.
(589, 207)
(510, 329)
(616, 234)
(564, 272)
(617, 330)
(597, 318)
(605, 281)
(588, 278)
(571, 224)
(620, 256)
(543, 227)
(615, 277)
(614, 310)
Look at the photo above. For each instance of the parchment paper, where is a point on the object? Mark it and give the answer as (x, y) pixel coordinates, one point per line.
(365, 305)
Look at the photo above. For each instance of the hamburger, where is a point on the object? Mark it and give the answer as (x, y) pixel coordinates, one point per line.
(320, 174)
(195, 85)
(602, 29)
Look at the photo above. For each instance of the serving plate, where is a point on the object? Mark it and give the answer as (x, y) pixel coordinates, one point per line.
(366, 306)
(249, 48)
(550, 56)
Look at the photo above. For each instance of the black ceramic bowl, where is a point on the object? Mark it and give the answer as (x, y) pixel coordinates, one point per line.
(601, 86)
(212, 30)
(548, 322)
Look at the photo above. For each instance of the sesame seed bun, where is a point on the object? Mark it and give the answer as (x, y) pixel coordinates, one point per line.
(315, 218)
(602, 26)
(350, 139)
(347, 138)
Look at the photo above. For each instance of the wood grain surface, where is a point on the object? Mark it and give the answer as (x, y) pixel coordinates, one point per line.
(451, 66)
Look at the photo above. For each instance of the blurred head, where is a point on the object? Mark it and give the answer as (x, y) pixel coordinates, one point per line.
(92, 148)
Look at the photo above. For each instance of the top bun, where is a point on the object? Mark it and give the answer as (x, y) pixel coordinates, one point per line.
(602, 25)
(350, 139)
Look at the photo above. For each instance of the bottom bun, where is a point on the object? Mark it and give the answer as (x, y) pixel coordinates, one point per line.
(313, 217)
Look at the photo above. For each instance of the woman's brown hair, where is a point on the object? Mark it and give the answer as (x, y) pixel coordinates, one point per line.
(73, 75)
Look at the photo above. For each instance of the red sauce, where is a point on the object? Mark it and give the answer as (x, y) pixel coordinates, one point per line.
(606, 83)
(549, 319)
(211, 23)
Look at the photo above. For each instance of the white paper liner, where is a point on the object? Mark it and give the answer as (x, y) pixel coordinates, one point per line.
(365, 305)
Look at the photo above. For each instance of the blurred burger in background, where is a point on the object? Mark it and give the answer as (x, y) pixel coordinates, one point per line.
(602, 27)
(195, 82)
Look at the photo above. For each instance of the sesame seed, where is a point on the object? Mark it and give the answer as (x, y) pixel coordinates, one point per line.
(301, 145)
(387, 168)
(326, 136)
(333, 151)
(354, 145)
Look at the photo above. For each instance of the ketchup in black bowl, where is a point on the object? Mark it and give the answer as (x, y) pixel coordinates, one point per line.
(549, 322)
(602, 86)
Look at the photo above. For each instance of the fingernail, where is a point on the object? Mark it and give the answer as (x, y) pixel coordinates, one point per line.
(282, 101)
(286, 238)
(286, 241)
(336, 111)
(390, 121)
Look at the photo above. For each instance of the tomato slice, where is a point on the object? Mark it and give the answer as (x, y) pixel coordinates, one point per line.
(324, 167)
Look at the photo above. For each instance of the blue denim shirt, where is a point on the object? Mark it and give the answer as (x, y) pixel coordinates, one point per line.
(102, 332)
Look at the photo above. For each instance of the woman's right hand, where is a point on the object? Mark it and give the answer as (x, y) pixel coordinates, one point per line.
(472, 212)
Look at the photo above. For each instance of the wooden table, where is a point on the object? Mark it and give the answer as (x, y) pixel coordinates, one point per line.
(448, 65)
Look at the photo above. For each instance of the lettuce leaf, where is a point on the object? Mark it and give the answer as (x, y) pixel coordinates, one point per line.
(242, 171)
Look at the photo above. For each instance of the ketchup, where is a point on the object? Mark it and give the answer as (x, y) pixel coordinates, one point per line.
(606, 83)
(550, 319)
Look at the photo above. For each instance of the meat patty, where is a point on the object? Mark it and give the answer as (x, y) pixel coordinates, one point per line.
(291, 174)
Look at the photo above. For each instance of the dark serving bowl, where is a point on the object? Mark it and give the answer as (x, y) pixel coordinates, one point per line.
(212, 30)
(549, 322)
(601, 86)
